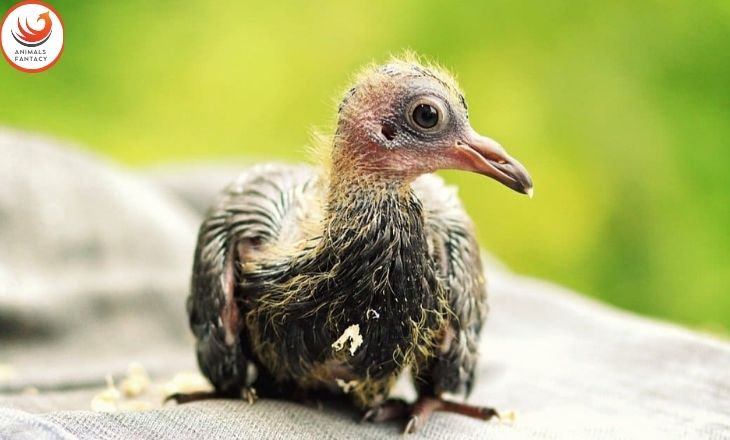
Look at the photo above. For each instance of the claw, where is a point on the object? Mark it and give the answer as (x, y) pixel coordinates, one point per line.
(249, 395)
(388, 410)
(370, 415)
(412, 425)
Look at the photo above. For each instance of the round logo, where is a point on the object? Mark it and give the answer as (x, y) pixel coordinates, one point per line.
(32, 36)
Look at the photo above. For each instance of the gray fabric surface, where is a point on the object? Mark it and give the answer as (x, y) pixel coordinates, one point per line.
(94, 267)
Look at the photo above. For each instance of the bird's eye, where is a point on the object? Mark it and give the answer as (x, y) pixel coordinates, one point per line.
(427, 114)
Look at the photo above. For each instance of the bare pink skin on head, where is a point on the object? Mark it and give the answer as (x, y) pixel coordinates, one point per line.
(379, 136)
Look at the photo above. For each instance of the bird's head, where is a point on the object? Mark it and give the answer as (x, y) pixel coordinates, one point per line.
(404, 119)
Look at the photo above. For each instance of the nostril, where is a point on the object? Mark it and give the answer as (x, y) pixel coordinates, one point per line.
(388, 131)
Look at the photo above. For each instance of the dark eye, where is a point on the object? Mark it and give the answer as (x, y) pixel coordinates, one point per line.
(425, 116)
(428, 114)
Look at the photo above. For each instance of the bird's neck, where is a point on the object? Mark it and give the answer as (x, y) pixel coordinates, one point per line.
(361, 205)
(375, 246)
(366, 207)
(375, 232)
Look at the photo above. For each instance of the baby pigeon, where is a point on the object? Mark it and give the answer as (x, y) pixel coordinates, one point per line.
(338, 278)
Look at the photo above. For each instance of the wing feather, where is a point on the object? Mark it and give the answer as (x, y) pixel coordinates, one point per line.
(247, 216)
(454, 247)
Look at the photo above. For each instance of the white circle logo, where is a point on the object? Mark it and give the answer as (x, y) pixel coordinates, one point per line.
(32, 36)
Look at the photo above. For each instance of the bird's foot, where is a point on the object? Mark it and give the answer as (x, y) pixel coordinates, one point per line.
(419, 412)
(425, 406)
(248, 394)
(391, 409)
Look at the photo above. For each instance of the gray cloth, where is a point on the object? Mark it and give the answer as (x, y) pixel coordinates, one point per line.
(94, 268)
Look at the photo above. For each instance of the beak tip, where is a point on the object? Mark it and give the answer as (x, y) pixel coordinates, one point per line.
(530, 192)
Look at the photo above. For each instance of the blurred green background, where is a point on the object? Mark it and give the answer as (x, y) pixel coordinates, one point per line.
(620, 110)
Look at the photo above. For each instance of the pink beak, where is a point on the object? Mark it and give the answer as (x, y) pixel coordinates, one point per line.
(485, 156)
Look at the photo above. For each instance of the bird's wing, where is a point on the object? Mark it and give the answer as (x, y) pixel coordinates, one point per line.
(249, 216)
(454, 247)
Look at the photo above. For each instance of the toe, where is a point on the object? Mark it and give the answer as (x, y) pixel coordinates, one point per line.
(486, 413)
(172, 398)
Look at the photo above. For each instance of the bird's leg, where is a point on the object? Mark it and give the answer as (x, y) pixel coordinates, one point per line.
(425, 406)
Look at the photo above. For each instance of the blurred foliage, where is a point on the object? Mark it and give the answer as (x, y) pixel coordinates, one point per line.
(620, 110)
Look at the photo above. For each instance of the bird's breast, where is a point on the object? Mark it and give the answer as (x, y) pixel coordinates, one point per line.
(353, 313)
